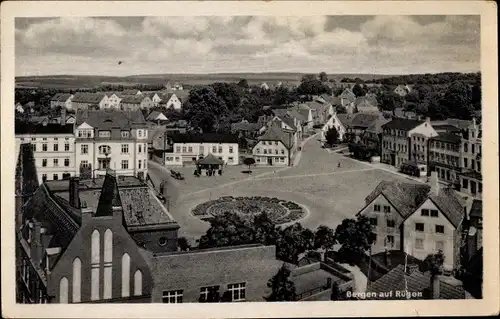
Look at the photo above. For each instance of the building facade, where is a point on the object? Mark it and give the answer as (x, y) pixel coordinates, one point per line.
(170, 100)
(445, 155)
(63, 100)
(113, 101)
(186, 149)
(274, 147)
(471, 180)
(53, 147)
(85, 101)
(110, 139)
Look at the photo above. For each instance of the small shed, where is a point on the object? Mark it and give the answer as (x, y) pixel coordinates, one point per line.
(210, 163)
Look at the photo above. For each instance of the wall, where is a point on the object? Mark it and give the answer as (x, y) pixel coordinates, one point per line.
(81, 247)
(151, 239)
(429, 235)
(280, 159)
(184, 152)
(381, 229)
(395, 141)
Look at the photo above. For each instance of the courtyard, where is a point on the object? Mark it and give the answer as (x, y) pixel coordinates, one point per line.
(327, 192)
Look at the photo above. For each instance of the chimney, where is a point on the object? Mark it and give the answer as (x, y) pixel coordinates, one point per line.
(63, 116)
(410, 268)
(74, 192)
(434, 183)
(435, 287)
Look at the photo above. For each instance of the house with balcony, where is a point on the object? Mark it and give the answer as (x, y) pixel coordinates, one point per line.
(187, 149)
(111, 139)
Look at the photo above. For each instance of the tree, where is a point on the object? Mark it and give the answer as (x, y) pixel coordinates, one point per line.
(249, 161)
(293, 241)
(412, 97)
(324, 238)
(389, 101)
(323, 77)
(358, 90)
(242, 143)
(308, 78)
(243, 83)
(332, 136)
(282, 288)
(227, 229)
(205, 109)
(355, 236)
(458, 99)
(265, 230)
(312, 87)
(349, 137)
(183, 244)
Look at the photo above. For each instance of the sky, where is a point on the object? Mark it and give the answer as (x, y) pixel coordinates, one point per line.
(219, 44)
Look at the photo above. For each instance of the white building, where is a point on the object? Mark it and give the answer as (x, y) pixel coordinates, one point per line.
(111, 139)
(113, 100)
(53, 146)
(275, 147)
(333, 121)
(170, 100)
(85, 100)
(62, 100)
(186, 149)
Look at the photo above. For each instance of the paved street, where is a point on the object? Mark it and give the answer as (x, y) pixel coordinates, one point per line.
(330, 193)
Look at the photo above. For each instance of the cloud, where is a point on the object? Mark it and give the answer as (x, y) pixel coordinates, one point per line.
(366, 44)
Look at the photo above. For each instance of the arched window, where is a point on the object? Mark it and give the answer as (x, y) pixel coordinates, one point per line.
(125, 275)
(63, 290)
(138, 283)
(77, 280)
(108, 263)
(96, 264)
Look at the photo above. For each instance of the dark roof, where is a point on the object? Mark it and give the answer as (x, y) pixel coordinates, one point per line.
(402, 124)
(376, 126)
(414, 281)
(210, 159)
(330, 99)
(363, 120)
(448, 137)
(204, 138)
(129, 92)
(109, 119)
(288, 120)
(407, 197)
(61, 97)
(85, 97)
(274, 133)
(51, 128)
(345, 119)
(133, 99)
(477, 208)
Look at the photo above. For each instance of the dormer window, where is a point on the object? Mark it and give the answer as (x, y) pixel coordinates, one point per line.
(104, 133)
(125, 133)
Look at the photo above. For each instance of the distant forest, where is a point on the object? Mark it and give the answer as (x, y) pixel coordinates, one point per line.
(428, 78)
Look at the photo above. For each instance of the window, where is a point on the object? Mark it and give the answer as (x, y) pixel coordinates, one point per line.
(124, 164)
(108, 263)
(202, 149)
(66, 162)
(139, 133)
(275, 143)
(419, 243)
(282, 152)
(466, 147)
(125, 275)
(44, 147)
(439, 246)
(237, 291)
(373, 221)
(104, 149)
(214, 149)
(440, 229)
(44, 177)
(104, 133)
(124, 148)
(125, 134)
(56, 162)
(230, 160)
(138, 283)
(84, 163)
(376, 208)
(33, 147)
(466, 163)
(230, 150)
(390, 240)
(387, 209)
(140, 164)
(276, 152)
(425, 212)
(220, 149)
(77, 280)
(173, 296)
(190, 149)
(177, 149)
(391, 223)
(465, 183)
(205, 292)
(140, 148)
(419, 227)
(66, 147)
(472, 148)
(434, 213)
(95, 266)
(44, 162)
(265, 151)
(184, 149)
(44, 139)
(63, 290)
(84, 149)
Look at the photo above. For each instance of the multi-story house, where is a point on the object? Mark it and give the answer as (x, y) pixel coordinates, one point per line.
(416, 218)
(444, 156)
(85, 245)
(113, 100)
(170, 100)
(85, 100)
(471, 180)
(347, 98)
(274, 147)
(333, 121)
(372, 136)
(53, 148)
(187, 149)
(135, 102)
(111, 139)
(406, 140)
(63, 100)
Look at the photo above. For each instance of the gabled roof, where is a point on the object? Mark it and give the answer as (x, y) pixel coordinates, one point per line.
(156, 115)
(108, 119)
(274, 133)
(61, 97)
(133, 99)
(414, 281)
(210, 159)
(477, 208)
(345, 119)
(330, 99)
(34, 128)
(376, 126)
(363, 120)
(402, 124)
(85, 97)
(287, 119)
(448, 137)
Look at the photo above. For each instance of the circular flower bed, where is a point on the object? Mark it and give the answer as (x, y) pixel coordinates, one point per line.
(279, 211)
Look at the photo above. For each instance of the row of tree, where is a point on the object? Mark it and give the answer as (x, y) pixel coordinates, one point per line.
(427, 78)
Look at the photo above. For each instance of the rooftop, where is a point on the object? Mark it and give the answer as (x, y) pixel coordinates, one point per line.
(477, 208)
(111, 119)
(448, 137)
(61, 97)
(204, 138)
(402, 124)
(85, 97)
(275, 133)
(22, 128)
